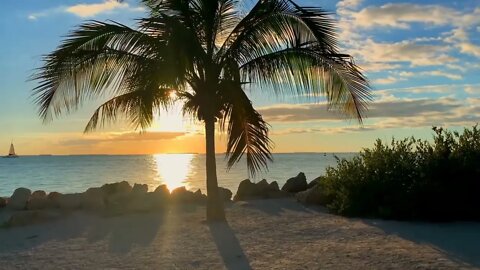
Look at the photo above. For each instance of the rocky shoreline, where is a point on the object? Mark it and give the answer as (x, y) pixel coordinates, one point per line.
(25, 207)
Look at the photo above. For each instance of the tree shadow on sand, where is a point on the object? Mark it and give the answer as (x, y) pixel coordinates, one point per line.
(228, 246)
(120, 233)
(276, 207)
(460, 240)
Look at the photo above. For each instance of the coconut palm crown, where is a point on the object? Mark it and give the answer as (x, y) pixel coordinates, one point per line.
(207, 52)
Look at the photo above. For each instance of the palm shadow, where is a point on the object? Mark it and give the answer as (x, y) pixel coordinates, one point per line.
(228, 246)
(276, 207)
(459, 240)
(121, 233)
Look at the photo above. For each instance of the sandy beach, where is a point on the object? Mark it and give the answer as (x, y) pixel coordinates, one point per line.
(261, 234)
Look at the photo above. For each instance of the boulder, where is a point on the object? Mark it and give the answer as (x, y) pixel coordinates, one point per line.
(3, 202)
(38, 203)
(246, 190)
(140, 189)
(200, 197)
(262, 190)
(315, 181)
(158, 200)
(116, 188)
(54, 199)
(40, 194)
(30, 217)
(181, 194)
(70, 202)
(163, 190)
(312, 195)
(96, 191)
(93, 200)
(274, 186)
(118, 203)
(224, 193)
(296, 184)
(19, 199)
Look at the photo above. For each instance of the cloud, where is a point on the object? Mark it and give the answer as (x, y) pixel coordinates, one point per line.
(416, 54)
(326, 130)
(378, 109)
(123, 137)
(384, 114)
(402, 15)
(87, 10)
(470, 48)
(440, 73)
(90, 10)
(388, 80)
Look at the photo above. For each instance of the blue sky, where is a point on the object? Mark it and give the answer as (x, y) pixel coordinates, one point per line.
(422, 57)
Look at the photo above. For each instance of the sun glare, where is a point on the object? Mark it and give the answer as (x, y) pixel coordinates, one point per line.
(173, 169)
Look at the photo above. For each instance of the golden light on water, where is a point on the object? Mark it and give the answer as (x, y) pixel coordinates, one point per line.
(173, 169)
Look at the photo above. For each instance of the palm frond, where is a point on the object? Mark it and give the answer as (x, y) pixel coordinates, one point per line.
(308, 72)
(93, 59)
(246, 129)
(139, 107)
(273, 25)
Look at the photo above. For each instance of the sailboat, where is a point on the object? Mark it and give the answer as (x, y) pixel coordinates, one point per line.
(11, 152)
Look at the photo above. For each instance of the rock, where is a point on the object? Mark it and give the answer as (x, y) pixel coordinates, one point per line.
(54, 198)
(315, 181)
(181, 194)
(19, 199)
(93, 200)
(200, 197)
(38, 203)
(313, 195)
(225, 194)
(246, 190)
(40, 194)
(70, 201)
(116, 188)
(162, 189)
(274, 186)
(262, 190)
(140, 189)
(30, 217)
(3, 202)
(296, 184)
(96, 191)
(118, 203)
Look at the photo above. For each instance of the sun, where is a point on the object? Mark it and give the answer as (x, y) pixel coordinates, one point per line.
(172, 95)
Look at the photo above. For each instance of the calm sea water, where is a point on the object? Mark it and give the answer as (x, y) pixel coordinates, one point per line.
(77, 173)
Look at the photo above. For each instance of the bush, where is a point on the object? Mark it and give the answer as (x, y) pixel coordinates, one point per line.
(410, 179)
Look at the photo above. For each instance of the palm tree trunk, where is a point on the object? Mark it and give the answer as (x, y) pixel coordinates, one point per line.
(215, 211)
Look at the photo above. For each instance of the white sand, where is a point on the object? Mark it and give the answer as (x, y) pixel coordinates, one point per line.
(265, 234)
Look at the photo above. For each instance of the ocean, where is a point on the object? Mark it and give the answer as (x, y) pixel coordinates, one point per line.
(69, 174)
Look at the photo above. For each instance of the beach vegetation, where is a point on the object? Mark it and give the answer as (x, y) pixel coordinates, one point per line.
(410, 179)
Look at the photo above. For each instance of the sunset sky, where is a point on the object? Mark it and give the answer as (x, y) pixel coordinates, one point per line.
(422, 57)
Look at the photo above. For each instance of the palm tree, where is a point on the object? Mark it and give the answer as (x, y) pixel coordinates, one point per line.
(206, 52)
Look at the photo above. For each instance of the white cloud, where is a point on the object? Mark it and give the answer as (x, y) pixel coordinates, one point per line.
(87, 10)
(469, 48)
(440, 73)
(90, 10)
(416, 54)
(402, 15)
(387, 80)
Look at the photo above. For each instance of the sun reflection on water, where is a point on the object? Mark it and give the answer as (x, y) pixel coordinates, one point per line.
(173, 169)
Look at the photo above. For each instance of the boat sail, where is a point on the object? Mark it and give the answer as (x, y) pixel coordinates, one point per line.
(11, 152)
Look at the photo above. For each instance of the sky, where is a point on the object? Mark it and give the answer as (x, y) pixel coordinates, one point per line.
(422, 58)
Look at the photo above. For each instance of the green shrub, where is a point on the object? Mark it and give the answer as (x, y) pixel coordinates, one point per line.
(410, 179)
